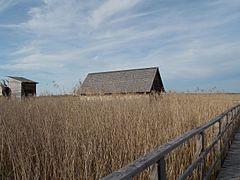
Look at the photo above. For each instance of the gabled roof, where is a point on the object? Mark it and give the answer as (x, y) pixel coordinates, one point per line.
(124, 81)
(22, 79)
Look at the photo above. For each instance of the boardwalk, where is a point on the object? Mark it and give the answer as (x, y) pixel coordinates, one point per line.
(231, 166)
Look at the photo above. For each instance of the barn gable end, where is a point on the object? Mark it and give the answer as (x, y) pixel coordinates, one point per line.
(125, 81)
(157, 85)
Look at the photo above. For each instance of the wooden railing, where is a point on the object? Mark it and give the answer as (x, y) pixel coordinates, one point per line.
(226, 124)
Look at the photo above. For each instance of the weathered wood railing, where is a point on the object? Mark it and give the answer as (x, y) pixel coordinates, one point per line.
(226, 122)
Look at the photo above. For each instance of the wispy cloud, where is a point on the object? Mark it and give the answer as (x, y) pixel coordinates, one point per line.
(5, 4)
(108, 9)
(187, 40)
(51, 18)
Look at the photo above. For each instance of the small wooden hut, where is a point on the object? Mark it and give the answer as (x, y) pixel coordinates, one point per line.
(144, 80)
(21, 86)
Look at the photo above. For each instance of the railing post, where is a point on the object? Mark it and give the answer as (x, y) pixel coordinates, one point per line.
(238, 109)
(220, 140)
(202, 150)
(229, 131)
(235, 119)
(161, 167)
(227, 118)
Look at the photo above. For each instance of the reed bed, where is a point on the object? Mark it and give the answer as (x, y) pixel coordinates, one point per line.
(89, 137)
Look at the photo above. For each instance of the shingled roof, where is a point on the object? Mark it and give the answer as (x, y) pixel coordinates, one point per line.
(22, 79)
(124, 81)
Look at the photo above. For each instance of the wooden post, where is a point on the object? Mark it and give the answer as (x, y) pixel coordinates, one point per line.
(153, 172)
(227, 118)
(220, 141)
(229, 131)
(161, 166)
(202, 150)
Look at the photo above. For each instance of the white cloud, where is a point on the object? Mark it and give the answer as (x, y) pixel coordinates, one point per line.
(55, 18)
(11, 26)
(52, 19)
(25, 50)
(26, 66)
(198, 61)
(5, 4)
(108, 9)
(114, 34)
(36, 61)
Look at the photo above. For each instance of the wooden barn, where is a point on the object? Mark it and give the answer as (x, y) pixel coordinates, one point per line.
(21, 86)
(144, 80)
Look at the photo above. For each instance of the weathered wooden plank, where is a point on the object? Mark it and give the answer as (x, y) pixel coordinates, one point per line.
(231, 165)
(15, 87)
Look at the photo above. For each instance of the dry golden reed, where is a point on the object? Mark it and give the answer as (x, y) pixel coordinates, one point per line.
(89, 137)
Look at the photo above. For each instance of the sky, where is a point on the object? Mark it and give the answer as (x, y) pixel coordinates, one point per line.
(196, 44)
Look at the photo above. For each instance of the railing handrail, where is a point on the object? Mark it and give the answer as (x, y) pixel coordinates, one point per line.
(159, 153)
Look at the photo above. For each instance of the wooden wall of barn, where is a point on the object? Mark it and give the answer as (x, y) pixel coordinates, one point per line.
(16, 87)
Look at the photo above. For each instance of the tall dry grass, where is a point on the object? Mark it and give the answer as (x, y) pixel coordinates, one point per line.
(88, 138)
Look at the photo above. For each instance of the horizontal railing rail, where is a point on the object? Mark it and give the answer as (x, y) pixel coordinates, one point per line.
(158, 155)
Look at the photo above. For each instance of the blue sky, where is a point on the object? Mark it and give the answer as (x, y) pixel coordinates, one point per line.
(196, 44)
